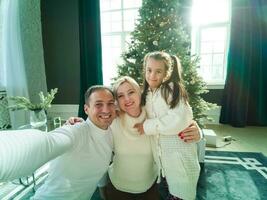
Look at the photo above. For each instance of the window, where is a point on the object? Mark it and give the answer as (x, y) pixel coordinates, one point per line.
(117, 21)
(210, 38)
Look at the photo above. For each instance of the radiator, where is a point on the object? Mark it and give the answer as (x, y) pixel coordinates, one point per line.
(4, 112)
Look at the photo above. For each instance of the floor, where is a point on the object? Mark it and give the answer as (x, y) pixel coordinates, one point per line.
(248, 139)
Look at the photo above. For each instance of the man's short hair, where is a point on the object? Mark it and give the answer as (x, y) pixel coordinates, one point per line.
(95, 88)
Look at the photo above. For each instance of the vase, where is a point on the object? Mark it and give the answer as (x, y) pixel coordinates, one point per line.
(38, 118)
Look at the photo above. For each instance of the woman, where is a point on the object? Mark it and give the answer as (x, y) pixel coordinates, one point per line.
(133, 172)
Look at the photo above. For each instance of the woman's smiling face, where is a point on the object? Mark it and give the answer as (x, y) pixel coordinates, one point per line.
(129, 99)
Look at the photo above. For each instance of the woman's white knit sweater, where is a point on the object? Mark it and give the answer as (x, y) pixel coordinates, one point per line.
(133, 169)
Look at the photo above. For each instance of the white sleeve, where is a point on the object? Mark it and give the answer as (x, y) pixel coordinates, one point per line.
(24, 151)
(176, 120)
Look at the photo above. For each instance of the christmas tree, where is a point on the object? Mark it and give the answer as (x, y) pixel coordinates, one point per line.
(160, 28)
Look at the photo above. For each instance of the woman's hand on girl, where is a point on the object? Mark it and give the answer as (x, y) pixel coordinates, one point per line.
(191, 133)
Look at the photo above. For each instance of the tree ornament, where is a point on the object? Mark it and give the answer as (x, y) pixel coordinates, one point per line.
(155, 43)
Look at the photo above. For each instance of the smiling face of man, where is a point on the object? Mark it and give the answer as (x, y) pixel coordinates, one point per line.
(100, 108)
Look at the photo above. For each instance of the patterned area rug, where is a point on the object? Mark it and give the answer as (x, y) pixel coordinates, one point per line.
(233, 175)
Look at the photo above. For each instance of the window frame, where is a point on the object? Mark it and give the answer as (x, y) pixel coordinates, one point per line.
(196, 46)
(123, 33)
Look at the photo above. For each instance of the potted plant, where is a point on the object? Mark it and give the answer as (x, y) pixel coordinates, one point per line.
(37, 110)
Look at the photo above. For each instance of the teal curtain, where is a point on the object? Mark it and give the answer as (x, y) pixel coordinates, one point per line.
(90, 48)
(245, 98)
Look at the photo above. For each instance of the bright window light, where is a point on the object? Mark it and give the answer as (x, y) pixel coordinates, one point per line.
(210, 11)
(210, 38)
(117, 21)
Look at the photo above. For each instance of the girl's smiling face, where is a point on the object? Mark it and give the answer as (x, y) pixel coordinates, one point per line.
(155, 72)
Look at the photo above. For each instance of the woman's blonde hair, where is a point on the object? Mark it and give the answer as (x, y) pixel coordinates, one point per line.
(122, 80)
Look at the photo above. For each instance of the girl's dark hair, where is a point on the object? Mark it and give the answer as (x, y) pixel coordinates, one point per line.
(172, 86)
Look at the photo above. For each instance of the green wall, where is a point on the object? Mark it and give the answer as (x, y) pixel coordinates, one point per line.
(60, 27)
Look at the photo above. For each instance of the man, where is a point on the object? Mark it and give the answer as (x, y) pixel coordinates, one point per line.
(81, 152)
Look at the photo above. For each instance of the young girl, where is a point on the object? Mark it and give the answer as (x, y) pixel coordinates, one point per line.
(165, 100)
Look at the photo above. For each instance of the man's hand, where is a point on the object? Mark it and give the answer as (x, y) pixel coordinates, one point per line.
(191, 133)
(73, 120)
(140, 128)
